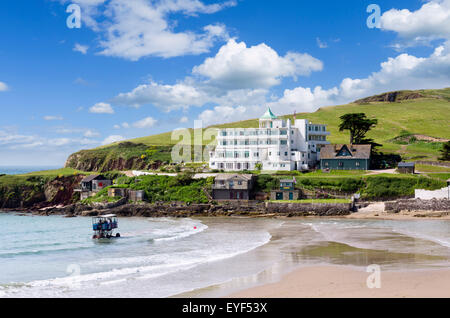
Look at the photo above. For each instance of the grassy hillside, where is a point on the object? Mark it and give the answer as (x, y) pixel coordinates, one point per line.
(413, 124)
(427, 115)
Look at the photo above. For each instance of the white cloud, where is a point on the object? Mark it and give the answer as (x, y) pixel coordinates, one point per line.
(321, 44)
(140, 28)
(81, 48)
(112, 139)
(402, 72)
(237, 74)
(148, 122)
(13, 140)
(430, 22)
(184, 120)
(91, 133)
(168, 97)
(101, 108)
(51, 118)
(237, 66)
(3, 87)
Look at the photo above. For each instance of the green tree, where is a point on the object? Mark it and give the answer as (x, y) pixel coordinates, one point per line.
(445, 152)
(359, 125)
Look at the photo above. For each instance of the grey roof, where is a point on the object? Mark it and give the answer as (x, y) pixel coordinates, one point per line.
(406, 165)
(224, 176)
(357, 151)
(92, 177)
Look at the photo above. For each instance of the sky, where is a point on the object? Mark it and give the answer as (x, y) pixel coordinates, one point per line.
(123, 69)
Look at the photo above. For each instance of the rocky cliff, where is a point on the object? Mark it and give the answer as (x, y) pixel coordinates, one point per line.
(122, 156)
(38, 192)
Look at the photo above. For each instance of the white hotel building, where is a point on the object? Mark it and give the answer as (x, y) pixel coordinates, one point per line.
(277, 145)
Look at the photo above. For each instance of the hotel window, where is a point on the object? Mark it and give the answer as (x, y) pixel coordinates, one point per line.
(256, 154)
(247, 154)
(341, 164)
(358, 164)
(270, 153)
(283, 132)
(278, 153)
(283, 142)
(286, 154)
(326, 164)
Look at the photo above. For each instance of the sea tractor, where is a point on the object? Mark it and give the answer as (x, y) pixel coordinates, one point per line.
(104, 227)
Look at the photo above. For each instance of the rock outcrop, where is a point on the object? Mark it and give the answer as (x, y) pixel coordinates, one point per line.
(391, 97)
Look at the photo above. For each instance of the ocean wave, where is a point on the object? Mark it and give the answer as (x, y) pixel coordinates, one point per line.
(172, 264)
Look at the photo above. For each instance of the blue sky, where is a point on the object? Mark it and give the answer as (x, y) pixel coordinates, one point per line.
(141, 67)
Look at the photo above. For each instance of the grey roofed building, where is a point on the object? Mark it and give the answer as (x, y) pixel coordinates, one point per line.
(225, 176)
(92, 184)
(356, 151)
(346, 157)
(91, 177)
(407, 167)
(233, 187)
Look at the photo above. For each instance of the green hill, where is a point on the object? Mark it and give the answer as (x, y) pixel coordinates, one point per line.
(413, 124)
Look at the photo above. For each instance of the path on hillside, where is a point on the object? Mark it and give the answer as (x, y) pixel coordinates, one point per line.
(141, 173)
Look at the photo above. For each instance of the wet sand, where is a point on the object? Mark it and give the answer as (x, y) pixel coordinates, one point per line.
(328, 257)
(348, 282)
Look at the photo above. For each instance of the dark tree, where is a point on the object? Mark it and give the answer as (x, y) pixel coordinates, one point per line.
(445, 152)
(358, 125)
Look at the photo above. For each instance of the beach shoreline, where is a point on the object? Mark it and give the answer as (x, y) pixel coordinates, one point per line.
(330, 281)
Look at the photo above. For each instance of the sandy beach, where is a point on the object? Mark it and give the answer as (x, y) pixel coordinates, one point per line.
(347, 282)
(377, 211)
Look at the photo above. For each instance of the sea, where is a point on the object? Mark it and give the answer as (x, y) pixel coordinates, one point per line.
(54, 256)
(13, 170)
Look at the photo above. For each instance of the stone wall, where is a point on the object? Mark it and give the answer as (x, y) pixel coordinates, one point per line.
(417, 205)
(243, 208)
